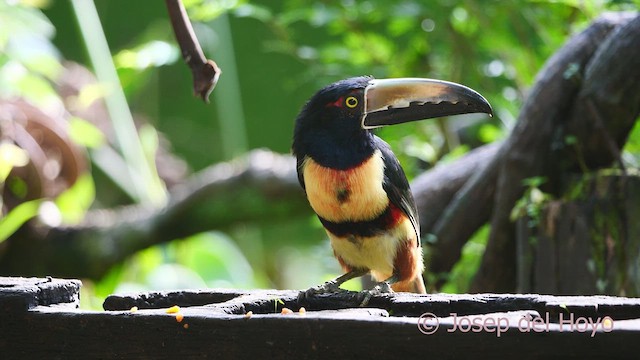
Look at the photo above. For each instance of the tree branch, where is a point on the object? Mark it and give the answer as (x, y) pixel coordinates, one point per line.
(205, 72)
(528, 151)
(450, 195)
(435, 189)
(262, 186)
(609, 101)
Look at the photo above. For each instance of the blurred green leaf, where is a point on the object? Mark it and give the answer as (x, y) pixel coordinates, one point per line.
(151, 54)
(455, 153)
(11, 156)
(459, 279)
(149, 140)
(74, 202)
(534, 182)
(17, 186)
(464, 22)
(633, 143)
(217, 259)
(401, 25)
(204, 10)
(171, 276)
(85, 133)
(489, 133)
(22, 20)
(631, 150)
(532, 201)
(420, 149)
(570, 140)
(28, 58)
(17, 80)
(17, 217)
(254, 11)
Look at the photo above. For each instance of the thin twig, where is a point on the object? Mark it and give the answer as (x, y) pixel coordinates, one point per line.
(205, 72)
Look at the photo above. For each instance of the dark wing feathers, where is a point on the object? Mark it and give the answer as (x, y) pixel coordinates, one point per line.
(397, 186)
(299, 162)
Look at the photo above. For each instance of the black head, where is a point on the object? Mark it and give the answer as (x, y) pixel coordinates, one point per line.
(336, 108)
(329, 125)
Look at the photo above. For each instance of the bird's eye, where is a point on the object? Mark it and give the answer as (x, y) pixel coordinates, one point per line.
(351, 102)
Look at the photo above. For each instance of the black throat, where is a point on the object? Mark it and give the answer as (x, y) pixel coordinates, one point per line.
(336, 150)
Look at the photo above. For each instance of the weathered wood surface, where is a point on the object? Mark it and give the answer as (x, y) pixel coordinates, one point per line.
(584, 244)
(237, 302)
(215, 324)
(20, 294)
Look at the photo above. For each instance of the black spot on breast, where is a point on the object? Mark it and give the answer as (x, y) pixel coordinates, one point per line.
(352, 239)
(342, 195)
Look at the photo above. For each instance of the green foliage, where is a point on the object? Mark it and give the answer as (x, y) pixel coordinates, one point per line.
(27, 64)
(29, 67)
(18, 216)
(11, 156)
(532, 201)
(631, 150)
(205, 260)
(85, 133)
(28, 61)
(283, 52)
(137, 66)
(74, 202)
(609, 243)
(489, 133)
(460, 277)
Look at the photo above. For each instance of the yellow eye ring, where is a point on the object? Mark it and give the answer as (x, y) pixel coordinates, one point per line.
(351, 102)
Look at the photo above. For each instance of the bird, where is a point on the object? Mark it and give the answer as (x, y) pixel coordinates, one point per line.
(354, 182)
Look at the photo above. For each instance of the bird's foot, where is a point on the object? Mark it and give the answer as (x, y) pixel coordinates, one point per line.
(381, 288)
(330, 287)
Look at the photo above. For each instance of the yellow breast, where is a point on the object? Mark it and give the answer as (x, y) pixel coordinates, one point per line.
(346, 195)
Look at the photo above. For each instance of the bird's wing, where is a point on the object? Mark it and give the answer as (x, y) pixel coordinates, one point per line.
(299, 169)
(397, 186)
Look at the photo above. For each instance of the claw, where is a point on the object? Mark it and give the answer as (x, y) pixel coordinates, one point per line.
(327, 288)
(332, 286)
(380, 288)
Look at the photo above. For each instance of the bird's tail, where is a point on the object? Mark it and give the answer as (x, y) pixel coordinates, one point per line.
(415, 285)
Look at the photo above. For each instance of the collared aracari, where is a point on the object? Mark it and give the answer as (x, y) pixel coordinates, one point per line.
(354, 182)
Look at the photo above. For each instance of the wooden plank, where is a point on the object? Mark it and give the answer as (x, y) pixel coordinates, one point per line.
(20, 294)
(46, 333)
(526, 326)
(631, 248)
(399, 304)
(585, 245)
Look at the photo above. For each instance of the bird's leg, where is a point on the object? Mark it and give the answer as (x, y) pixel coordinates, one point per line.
(333, 286)
(383, 287)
